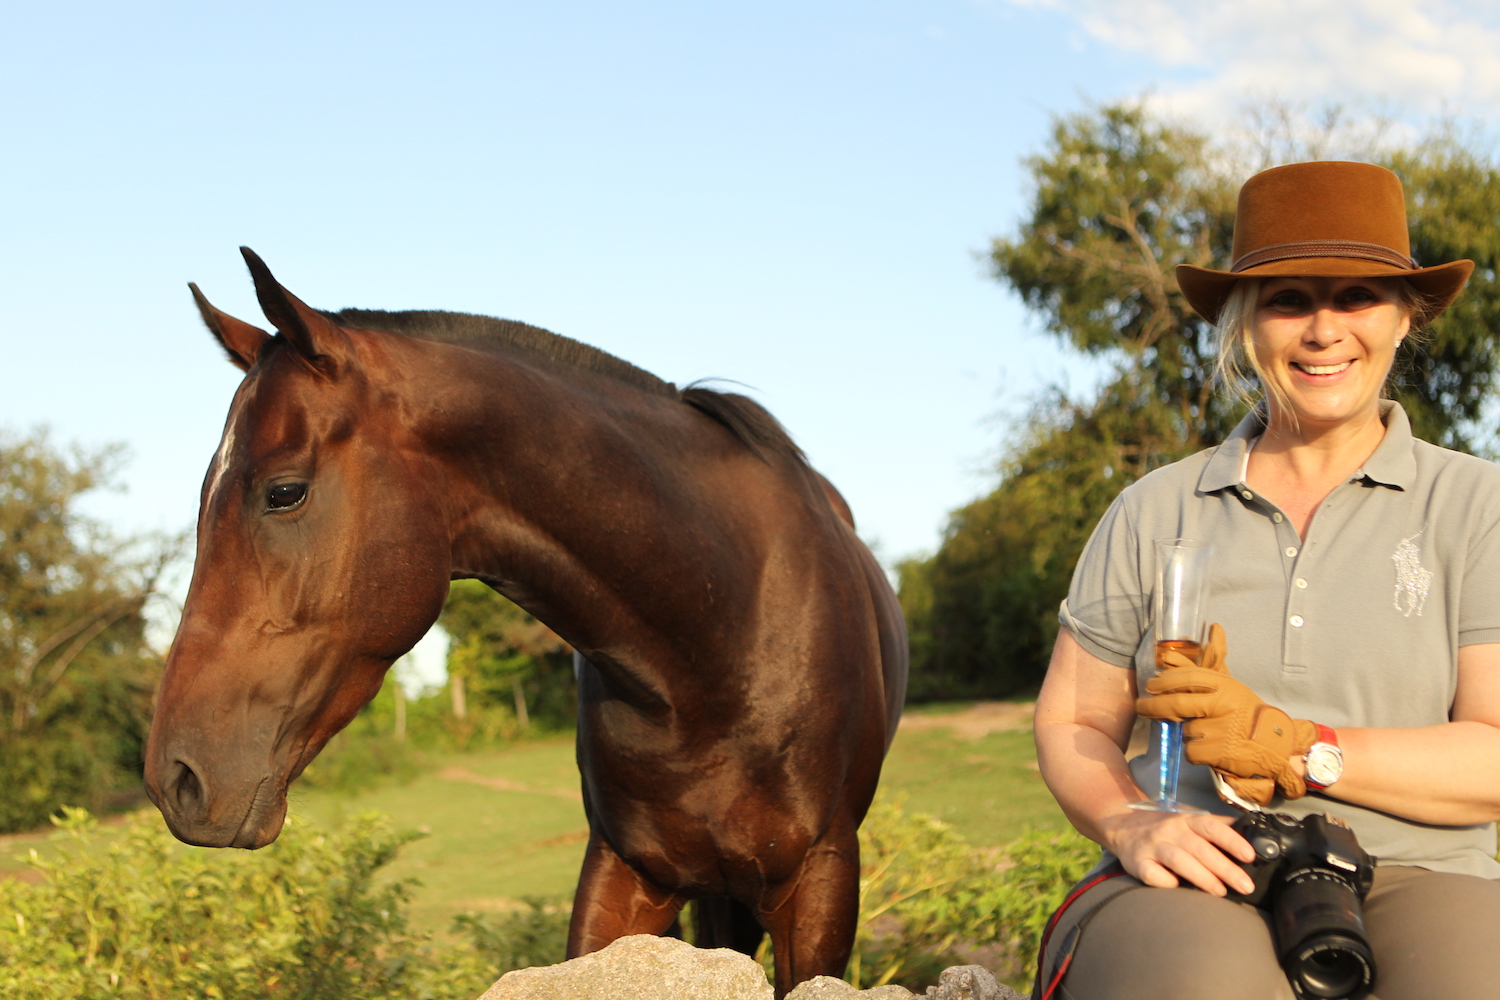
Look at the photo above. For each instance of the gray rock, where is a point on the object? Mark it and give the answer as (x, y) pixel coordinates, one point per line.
(644, 967)
(828, 988)
(640, 967)
(971, 982)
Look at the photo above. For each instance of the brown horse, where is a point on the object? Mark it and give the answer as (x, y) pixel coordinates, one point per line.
(742, 659)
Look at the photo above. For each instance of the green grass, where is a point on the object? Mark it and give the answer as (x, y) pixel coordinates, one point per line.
(485, 845)
(987, 789)
(503, 824)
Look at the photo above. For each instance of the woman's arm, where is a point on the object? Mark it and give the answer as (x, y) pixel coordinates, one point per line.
(1083, 719)
(1446, 775)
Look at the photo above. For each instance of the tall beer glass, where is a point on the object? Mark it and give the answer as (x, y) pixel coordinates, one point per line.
(1179, 625)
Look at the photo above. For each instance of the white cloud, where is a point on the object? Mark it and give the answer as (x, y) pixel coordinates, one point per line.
(1422, 56)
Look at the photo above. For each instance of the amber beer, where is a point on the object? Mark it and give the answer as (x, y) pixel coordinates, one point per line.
(1187, 647)
(1178, 627)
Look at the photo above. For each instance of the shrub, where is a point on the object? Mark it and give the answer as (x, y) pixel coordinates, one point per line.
(146, 919)
(537, 935)
(1042, 867)
(927, 897)
(143, 918)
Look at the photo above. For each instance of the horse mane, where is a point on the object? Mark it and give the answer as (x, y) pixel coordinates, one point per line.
(750, 422)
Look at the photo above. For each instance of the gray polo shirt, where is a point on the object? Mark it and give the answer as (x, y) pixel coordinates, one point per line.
(1359, 626)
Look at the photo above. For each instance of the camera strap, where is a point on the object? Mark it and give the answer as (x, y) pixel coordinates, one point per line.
(1064, 956)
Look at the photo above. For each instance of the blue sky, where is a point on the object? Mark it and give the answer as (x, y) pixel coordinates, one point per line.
(793, 195)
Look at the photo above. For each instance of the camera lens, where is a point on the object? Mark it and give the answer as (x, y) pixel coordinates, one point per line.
(1319, 927)
(1331, 967)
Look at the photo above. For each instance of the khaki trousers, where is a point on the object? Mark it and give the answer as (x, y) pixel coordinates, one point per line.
(1435, 936)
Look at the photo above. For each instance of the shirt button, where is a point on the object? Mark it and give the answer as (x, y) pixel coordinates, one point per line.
(1277, 517)
(1291, 551)
(1301, 583)
(1247, 494)
(1296, 621)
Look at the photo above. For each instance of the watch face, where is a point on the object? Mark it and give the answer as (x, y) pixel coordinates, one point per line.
(1325, 764)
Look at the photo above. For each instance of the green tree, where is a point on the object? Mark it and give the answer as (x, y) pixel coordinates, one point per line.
(76, 673)
(982, 611)
(500, 655)
(1453, 206)
(1120, 198)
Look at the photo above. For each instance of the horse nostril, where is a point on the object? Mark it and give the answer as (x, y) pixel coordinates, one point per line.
(187, 791)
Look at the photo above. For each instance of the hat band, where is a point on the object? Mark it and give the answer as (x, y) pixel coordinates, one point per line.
(1323, 248)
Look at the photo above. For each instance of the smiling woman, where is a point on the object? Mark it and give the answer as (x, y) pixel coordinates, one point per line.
(1357, 576)
(1281, 308)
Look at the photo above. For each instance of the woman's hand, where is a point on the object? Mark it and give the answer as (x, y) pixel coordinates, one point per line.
(1082, 724)
(1253, 746)
(1167, 849)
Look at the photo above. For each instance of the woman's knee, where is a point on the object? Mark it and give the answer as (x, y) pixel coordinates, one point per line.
(1175, 944)
(1433, 934)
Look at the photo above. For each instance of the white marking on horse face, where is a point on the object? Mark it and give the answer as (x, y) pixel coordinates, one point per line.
(221, 458)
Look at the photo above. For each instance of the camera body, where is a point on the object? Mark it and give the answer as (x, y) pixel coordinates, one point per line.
(1312, 876)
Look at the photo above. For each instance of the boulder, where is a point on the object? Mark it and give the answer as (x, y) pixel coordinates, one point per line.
(828, 988)
(645, 967)
(640, 967)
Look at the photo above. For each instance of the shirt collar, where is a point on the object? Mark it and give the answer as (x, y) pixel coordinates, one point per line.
(1393, 463)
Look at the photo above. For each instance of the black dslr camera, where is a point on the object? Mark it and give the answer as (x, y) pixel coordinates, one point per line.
(1312, 875)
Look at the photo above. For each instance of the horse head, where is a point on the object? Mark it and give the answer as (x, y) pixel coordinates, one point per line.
(322, 557)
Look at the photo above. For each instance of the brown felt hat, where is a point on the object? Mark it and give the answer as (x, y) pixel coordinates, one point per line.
(1327, 219)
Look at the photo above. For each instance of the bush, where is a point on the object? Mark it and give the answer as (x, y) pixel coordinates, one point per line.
(146, 919)
(535, 936)
(928, 899)
(143, 918)
(44, 770)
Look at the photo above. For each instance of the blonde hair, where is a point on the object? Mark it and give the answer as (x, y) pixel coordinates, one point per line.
(1238, 370)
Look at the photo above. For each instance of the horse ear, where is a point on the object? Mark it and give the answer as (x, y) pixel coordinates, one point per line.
(240, 340)
(317, 338)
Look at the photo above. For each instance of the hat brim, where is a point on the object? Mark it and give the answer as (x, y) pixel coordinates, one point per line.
(1206, 289)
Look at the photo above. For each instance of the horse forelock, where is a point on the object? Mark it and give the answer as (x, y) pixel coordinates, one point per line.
(750, 422)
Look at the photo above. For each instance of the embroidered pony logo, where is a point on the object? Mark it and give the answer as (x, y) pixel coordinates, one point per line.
(1412, 581)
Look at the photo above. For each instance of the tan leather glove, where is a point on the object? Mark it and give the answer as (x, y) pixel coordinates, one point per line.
(1226, 725)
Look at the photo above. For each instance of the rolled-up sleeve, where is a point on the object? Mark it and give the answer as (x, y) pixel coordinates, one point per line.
(1106, 607)
(1479, 604)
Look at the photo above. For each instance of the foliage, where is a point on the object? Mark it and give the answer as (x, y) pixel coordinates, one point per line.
(982, 610)
(138, 916)
(1043, 867)
(1120, 198)
(504, 657)
(76, 673)
(537, 935)
(365, 755)
(1453, 202)
(146, 919)
(927, 897)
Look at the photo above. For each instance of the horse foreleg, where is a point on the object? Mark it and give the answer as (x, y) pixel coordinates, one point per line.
(812, 926)
(614, 901)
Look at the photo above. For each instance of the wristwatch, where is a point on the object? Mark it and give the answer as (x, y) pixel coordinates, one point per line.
(1324, 760)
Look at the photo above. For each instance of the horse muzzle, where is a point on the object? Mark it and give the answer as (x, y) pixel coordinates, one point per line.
(229, 811)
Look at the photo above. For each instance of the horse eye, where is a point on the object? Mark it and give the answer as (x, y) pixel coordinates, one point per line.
(284, 496)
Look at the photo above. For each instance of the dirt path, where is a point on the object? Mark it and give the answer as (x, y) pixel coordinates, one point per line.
(456, 773)
(978, 721)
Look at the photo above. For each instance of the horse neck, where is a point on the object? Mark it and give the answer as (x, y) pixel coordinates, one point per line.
(597, 506)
